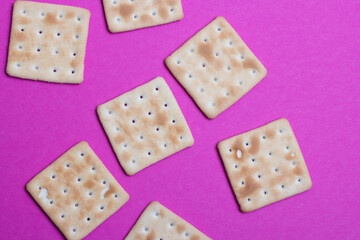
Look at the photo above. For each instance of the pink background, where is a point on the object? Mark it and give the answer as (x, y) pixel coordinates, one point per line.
(311, 51)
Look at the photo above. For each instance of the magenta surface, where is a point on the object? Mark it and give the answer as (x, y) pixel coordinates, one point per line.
(311, 52)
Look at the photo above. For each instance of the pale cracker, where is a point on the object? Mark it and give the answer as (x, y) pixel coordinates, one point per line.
(48, 42)
(265, 165)
(77, 192)
(216, 67)
(125, 15)
(158, 222)
(145, 125)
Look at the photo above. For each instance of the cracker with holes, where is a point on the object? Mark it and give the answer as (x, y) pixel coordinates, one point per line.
(158, 222)
(48, 42)
(216, 67)
(125, 15)
(265, 165)
(77, 192)
(145, 125)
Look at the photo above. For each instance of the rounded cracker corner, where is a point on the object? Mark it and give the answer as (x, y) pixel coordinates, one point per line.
(167, 61)
(220, 18)
(83, 143)
(129, 172)
(154, 203)
(28, 186)
(220, 145)
(98, 109)
(211, 115)
(284, 120)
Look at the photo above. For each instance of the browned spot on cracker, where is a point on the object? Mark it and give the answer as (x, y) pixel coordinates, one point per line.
(151, 236)
(111, 191)
(163, 12)
(298, 170)
(251, 186)
(195, 237)
(289, 157)
(145, 18)
(89, 184)
(250, 64)
(19, 36)
(51, 19)
(270, 134)
(206, 51)
(126, 10)
(180, 228)
(24, 20)
(70, 15)
(119, 138)
(125, 156)
(254, 145)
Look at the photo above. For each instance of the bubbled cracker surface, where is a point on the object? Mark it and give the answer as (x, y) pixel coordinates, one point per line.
(48, 42)
(158, 222)
(125, 15)
(265, 165)
(216, 67)
(77, 192)
(145, 125)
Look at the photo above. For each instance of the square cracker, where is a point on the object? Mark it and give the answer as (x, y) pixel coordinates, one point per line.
(158, 222)
(145, 125)
(77, 192)
(125, 15)
(216, 67)
(265, 165)
(48, 42)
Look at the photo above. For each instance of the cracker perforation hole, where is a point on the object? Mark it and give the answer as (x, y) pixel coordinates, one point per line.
(74, 230)
(135, 16)
(242, 183)
(153, 13)
(236, 166)
(101, 208)
(88, 219)
(171, 9)
(248, 199)
(65, 191)
(53, 176)
(62, 215)
(202, 90)
(118, 19)
(116, 195)
(76, 205)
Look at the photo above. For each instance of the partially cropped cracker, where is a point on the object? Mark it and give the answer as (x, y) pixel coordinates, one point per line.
(265, 165)
(145, 125)
(158, 222)
(216, 67)
(125, 15)
(48, 42)
(77, 192)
